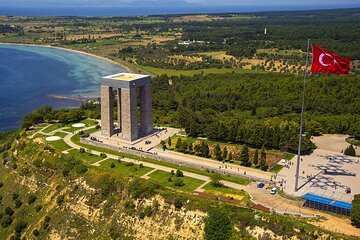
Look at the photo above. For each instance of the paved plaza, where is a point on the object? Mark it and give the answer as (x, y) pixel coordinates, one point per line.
(145, 144)
(326, 172)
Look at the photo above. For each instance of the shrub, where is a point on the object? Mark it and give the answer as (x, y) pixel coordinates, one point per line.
(169, 179)
(145, 213)
(140, 189)
(217, 225)
(179, 182)
(38, 208)
(60, 200)
(129, 205)
(82, 150)
(14, 166)
(47, 219)
(178, 203)
(20, 226)
(18, 203)
(141, 165)
(179, 173)
(112, 165)
(107, 185)
(14, 196)
(6, 221)
(8, 211)
(36, 232)
(350, 151)
(215, 180)
(31, 199)
(103, 155)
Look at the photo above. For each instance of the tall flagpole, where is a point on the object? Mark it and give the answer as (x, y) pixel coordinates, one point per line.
(302, 120)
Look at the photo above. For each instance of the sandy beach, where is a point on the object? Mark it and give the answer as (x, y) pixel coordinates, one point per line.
(71, 50)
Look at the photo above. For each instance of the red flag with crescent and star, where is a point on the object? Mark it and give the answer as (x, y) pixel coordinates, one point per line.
(328, 62)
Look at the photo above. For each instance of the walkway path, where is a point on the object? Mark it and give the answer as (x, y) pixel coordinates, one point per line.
(227, 167)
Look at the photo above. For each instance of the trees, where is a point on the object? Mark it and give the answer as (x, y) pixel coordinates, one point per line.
(179, 173)
(350, 151)
(263, 163)
(169, 142)
(355, 211)
(244, 156)
(178, 143)
(215, 179)
(217, 152)
(217, 225)
(225, 153)
(256, 157)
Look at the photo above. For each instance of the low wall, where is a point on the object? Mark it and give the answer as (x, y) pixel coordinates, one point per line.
(170, 160)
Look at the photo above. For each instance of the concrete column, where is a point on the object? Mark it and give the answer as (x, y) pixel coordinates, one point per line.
(146, 109)
(128, 114)
(107, 112)
(119, 107)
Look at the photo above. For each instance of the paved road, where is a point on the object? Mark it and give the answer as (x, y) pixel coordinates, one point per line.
(226, 168)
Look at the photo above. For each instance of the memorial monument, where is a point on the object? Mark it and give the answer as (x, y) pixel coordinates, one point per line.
(126, 85)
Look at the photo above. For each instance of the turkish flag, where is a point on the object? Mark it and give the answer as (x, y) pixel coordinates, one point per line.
(328, 62)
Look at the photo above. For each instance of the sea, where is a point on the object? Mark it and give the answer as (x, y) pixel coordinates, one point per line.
(29, 75)
(157, 10)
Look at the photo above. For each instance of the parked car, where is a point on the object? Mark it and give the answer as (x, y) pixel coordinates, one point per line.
(261, 185)
(273, 191)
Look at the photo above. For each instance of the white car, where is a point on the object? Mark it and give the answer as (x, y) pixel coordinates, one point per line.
(273, 191)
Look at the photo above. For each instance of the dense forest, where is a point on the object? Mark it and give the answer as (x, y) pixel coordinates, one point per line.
(257, 109)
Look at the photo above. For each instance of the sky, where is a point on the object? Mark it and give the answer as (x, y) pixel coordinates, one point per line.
(173, 3)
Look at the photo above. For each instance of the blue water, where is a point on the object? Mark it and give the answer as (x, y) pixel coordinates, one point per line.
(29, 74)
(147, 10)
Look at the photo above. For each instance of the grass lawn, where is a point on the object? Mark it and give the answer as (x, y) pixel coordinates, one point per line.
(173, 72)
(60, 134)
(88, 157)
(238, 195)
(277, 168)
(162, 177)
(59, 145)
(289, 156)
(39, 135)
(123, 167)
(87, 122)
(52, 127)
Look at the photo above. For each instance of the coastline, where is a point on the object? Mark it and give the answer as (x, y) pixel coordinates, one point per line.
(71, 50)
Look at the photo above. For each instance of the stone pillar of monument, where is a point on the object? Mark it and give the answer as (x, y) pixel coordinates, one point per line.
(146, 126)
(107, 112)
(119, 108)
(129, 117)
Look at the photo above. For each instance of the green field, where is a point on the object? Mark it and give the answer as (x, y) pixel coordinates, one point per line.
(289, 156)
(123, 167)
(277, 168)
(52, 127)
(173, 72)
(161, 177)
(59, 145)
(88, 157)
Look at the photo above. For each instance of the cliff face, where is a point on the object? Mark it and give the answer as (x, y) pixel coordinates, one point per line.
(47, 195)
(69, 208)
